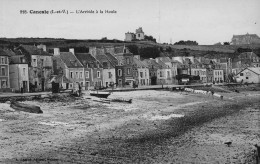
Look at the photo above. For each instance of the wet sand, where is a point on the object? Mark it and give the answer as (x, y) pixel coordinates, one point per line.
(158, 127)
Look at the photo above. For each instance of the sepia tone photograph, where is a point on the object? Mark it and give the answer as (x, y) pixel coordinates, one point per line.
(129, 82)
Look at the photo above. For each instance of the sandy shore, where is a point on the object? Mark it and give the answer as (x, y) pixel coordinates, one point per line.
(158, 127)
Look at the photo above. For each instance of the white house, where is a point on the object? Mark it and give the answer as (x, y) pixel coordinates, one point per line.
(249, 75)
(218, 75)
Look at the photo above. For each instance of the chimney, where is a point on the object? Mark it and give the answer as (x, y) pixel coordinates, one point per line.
(56, 51)
(72, 51)
(93, 51)
(43, 47)
(137, 57)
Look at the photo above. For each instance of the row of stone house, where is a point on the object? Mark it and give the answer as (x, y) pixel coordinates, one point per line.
(32, 68)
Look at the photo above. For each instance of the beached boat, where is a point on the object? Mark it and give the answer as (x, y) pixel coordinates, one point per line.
(99, 94)
(25, 107)
(122, 100)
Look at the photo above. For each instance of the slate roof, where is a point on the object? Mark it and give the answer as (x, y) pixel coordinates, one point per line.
(104, 58)
(253, 69)
(242, 36)
(70, 60)
(17, 59)
(9, 52)
(139, 63)
(112, 58)
(87, 60)
(33, 50)
(165, 59)
(3, 53)
(152, 62)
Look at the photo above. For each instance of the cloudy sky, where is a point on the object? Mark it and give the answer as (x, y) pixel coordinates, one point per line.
(206, 21)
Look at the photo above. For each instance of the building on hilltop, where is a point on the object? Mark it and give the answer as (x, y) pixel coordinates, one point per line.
(138, 35)
(245, 39)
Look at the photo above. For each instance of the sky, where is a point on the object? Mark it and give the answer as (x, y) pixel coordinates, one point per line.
(169, 21)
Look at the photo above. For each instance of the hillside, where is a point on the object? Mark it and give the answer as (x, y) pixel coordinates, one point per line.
(174, 50)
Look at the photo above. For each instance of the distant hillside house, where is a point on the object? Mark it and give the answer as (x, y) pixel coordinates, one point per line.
(245, 39)
(138, 35)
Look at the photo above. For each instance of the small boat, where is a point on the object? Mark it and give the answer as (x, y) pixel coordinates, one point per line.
(25, 107)
(99, 94)
(122, 100)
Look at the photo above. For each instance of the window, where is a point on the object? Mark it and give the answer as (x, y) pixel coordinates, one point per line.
(80, 75)
(35, 73)
(42, 62)
(23, 71)
(168, 74)
(3, 84)
(246, 77)
(71, 74)
(98, 74)
(2, 60)
(141, 74)
(109, 75)
(77, 75)
(139, 35)
(34, 60)
(241, 74)
(128, 71)
(161, 75)
(105, 65)
(71, 85)
(145, 74)
(119, 72)
(87, 74)
(3, 71)
(127, 61)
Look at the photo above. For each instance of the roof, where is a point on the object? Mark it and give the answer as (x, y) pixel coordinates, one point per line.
(139, 63)
(241, 36)
(139, 30)
(70, 60)
(253, 69)
(112, 58)
(104, 58)
(88, 60)
(162, 65)
(152, 63)
(165, 59)
(3, 53)
(17, 59)
(9, 52)
(33, 50)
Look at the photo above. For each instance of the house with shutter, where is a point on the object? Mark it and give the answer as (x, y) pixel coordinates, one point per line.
(172, 65)
(4, 71)
(124, 69)
(164, 75)
(93, 70)
(109, 63)
(40, 66)
(67, 63)
(140, 71)
(153, 67)
(18, 71)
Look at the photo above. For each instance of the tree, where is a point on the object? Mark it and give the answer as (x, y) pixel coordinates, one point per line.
(149, 38)
(149, 52)
(133, 49)
(188, 42)
(226, 43)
